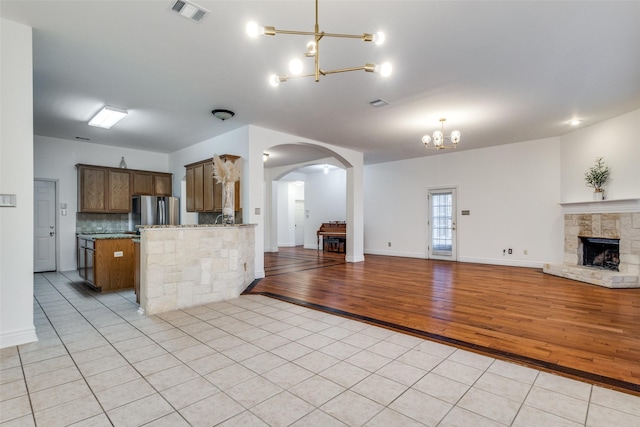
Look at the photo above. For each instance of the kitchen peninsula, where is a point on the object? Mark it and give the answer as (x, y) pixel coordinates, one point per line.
(188, 265)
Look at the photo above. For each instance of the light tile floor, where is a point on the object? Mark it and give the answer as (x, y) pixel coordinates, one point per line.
(256, 361)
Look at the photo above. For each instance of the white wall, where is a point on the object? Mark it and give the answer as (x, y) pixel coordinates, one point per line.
(56, 158)
(325, 198)
(16, 177)
(287, 194)
(617, 141)
(512, 192)
(286, 233)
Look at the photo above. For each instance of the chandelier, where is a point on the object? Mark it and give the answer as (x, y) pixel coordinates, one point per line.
(313, 51)
(439, 140)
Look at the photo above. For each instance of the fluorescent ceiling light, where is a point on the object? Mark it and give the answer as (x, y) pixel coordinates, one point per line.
(108, 117)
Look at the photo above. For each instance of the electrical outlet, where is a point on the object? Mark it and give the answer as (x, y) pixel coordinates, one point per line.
(389, 244)
(504, 252)
(118, 254)
(510, 251)
(526, 252)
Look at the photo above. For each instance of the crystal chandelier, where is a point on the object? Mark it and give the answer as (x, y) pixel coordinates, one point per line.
(439, 139)
(296, 67)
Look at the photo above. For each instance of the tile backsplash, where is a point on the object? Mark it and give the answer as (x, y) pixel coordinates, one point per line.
(101, 223)
(210, 217)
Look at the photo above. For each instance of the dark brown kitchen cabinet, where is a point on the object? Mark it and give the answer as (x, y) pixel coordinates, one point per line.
(147, 183)
(109, 190)
(119, 191)
(204, 194)
(107, 264)
(162, 184)
(142, 183)
(103, 189)
(92, 189)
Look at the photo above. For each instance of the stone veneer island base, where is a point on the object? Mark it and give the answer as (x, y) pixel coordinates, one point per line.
(185, 266)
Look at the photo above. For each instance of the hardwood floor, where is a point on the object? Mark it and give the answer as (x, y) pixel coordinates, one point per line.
(519, 314)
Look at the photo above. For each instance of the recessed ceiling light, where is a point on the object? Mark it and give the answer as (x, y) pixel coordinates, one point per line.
(575, 122)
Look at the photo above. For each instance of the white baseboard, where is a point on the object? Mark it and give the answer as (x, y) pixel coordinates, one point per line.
(23, 336)
(259, 274)
(500, 261)
(493, 261)
(286, 245)
(395, 253)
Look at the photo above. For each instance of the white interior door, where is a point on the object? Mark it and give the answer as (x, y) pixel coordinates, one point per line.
(44, 222)
(442, 224)
(299, 220)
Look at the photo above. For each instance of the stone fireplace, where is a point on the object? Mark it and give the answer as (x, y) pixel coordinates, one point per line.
(601, 244)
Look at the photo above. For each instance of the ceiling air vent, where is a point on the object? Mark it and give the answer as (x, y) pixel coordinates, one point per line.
(377, 103)
(188, 10)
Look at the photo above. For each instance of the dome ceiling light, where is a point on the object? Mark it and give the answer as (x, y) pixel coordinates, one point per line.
(223, 114)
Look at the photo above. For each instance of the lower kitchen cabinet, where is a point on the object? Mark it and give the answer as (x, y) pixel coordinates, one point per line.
(107, 264)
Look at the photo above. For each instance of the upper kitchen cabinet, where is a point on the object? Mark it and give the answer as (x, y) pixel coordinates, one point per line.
(162, 184)
(119, 191)
(147, 183)
(92, 189)
(103, 189)
(109, 190)
(203, 193)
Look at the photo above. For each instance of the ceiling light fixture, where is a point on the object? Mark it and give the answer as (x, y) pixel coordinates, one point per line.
(575, 122)
(265, 157)
(326, 169)
(188, 10)
(223, 114)
(439, 139)
(313, 50)
(107, 117)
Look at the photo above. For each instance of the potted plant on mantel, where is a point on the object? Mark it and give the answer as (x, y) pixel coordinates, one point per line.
(596, 176)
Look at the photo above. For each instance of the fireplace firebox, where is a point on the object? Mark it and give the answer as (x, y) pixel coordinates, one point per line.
(600, 252)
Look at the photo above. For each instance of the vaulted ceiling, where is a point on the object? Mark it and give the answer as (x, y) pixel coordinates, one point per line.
(500, 72)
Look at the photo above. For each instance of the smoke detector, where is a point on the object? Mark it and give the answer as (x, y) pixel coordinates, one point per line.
(188, 10)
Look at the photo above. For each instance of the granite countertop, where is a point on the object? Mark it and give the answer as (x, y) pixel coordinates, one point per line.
(146, 227)
(101, 236)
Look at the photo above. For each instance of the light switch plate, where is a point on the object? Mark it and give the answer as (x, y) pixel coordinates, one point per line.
(8, 200)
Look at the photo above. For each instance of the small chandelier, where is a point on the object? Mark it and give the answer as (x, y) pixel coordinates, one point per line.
(439, 139)
(313, 51)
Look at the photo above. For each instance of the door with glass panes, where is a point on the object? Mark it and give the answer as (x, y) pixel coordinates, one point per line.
(442, 224)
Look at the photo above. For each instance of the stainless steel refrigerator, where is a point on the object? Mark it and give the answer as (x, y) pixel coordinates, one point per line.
(151, 210)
